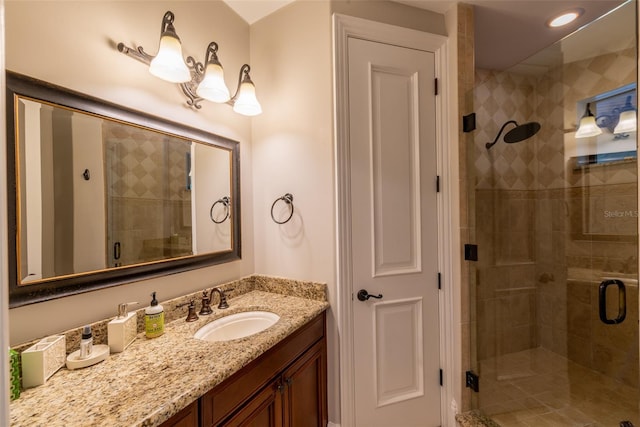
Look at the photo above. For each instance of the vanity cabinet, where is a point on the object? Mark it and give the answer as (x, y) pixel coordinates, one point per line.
(285, 387)
(304, 390)
(294, 398)
(264, 410)
(188, 417)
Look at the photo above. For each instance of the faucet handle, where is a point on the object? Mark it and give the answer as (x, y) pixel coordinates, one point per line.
(191, 315)
(223, 298)
(206, 304)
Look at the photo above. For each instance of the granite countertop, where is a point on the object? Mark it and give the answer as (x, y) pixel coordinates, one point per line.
(475, 419)
(154, 379)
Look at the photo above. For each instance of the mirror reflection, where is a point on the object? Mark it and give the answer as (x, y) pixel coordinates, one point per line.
(100, 199)
(99, 193)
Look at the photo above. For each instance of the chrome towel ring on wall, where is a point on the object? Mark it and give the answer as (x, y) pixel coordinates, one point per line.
(226, 201)
(288, 199)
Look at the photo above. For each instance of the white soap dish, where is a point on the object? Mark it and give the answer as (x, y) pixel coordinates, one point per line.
(99, 353)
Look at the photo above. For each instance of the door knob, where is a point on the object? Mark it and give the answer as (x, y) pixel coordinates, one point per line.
(363, 295)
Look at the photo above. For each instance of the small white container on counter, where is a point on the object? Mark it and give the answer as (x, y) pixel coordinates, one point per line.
(99, 353)
(122, 330)
(42, 360)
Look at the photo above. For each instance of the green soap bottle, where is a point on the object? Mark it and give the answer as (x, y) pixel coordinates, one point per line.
(154, 318)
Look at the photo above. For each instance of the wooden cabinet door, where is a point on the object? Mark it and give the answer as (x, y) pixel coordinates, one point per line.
(233, 394)
(264, 410)
(305, 385)
(188, 417)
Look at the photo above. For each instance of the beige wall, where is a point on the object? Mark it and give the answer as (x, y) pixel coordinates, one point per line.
(75, 47)
(393, 14)
(293, 153)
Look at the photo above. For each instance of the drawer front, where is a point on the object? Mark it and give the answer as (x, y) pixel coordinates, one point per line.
(224, 399)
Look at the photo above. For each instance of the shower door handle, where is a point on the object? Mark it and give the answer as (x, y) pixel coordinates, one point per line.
(116, 251)
(622, 301)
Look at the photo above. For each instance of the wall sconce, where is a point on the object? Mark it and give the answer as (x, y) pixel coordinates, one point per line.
(627, 121)
(588, 126)
(196, 80)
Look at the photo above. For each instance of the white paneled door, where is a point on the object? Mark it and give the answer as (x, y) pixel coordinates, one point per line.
(392, 132)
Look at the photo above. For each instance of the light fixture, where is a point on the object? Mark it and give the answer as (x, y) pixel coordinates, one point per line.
(627, 121)
(212, 87)
(245, 101)
(168, 63)
(197, 81)
(565, 18)
(588, 126)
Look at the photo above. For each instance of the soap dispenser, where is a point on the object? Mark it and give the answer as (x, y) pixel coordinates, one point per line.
(154, 318)
(122, 330)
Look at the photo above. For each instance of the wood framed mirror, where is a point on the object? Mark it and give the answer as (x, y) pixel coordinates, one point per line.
(100, 195)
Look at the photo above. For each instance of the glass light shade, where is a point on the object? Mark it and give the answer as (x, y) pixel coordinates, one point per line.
(169, 64)
(627, 122)
(212, 87)
(588, 127)
(246, 103)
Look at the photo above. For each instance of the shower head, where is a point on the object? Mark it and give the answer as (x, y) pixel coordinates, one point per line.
(517, 134)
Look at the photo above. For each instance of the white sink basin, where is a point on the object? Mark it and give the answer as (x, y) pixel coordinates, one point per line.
(237, 325)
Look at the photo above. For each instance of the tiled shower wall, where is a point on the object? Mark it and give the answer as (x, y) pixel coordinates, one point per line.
(505, 214)
(535, 285)
(149, 204)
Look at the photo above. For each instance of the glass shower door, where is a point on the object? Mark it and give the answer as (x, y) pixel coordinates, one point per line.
(556, 283)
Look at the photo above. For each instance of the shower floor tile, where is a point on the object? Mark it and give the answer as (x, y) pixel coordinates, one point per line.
(539, 388)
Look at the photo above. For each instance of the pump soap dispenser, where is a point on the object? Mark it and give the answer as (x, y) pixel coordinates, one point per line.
(122, 330)
(154, 318)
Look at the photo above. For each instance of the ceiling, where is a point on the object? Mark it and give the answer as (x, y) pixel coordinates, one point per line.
(254, 10)
(507, 31)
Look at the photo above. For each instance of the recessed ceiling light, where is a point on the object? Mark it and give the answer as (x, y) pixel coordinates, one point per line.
(565, 18)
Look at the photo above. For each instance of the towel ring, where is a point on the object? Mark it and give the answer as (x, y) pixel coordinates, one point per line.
(288, 199)
(226, 201)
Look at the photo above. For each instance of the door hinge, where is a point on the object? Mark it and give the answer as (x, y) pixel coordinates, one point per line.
(470, 252)
(436, 85)
(472, 381)
(469, 122)
(437, 183)
(439, 281)
(441, 377)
